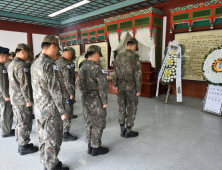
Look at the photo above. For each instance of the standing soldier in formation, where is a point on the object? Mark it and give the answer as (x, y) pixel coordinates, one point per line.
(6, 113)
(21, 98)
(65, 69)
(49, 107)
(94, 89)
(127, 80)
(73, 76)
(10, 58)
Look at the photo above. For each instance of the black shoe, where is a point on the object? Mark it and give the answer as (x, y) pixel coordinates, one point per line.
(99, 151)
(30, 145)
(59, 167)
(12, 133)
(89, 149)
(68, 137)
(27, 149)
(131, 134)
(74, 116)
(122, 134)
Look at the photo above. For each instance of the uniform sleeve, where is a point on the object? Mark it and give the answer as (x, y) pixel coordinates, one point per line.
(64, 91)
(103, 86)
(5, 85)
(115, 79)
(79, 83)
(1, 80)
(137, 74)
(54, 87)
(24, 79)
(67, 78)
(74, 75)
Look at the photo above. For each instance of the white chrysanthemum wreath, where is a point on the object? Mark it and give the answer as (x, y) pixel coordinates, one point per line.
(212, 67)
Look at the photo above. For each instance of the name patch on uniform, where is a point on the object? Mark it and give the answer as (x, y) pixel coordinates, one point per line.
(4, 71)
(26, 70)
(68, 66)
(72, 65)
(55, 67)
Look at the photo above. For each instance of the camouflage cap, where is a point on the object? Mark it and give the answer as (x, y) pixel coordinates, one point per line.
(135, 41)
(70, 49)
(52, 40)
(25, 47)
(94, 48)
(12, 53)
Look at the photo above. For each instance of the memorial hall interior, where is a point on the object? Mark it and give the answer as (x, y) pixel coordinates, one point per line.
(177, 106)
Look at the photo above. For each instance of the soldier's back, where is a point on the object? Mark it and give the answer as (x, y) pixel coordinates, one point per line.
(41, 69)
(124, 65)
(17, 70)
(88, 75)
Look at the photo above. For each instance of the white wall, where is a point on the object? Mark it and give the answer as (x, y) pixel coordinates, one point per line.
(37, 41)
(10, 39)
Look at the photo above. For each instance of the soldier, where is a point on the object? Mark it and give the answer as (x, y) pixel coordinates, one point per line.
(10, 58)
(6, 113)
(127, 80)
(94, 89)
(65, 69)
(20, 91)
(49, 107)
(73, 76)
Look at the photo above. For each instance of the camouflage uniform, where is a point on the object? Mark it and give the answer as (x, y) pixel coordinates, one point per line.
(94, 89)
(6, 113)
(48, 106)
(9, 60)
(127, 77)
(21, 93)
(7, 63)
(66, 72)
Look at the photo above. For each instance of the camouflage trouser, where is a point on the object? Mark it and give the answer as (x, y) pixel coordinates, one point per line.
(50, 139)
(23, 125)
(128, 102)
(6, 115)
(71, 106)
(95, 119)
(67, 122)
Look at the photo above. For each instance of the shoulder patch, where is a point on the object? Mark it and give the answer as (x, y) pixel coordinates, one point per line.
(4, 71)
(72, 65)
(26, 70)
(55, 67)
(68, 66)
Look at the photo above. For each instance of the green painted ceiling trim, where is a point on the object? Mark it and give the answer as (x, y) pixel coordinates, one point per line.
(102, 10)
(20, 16)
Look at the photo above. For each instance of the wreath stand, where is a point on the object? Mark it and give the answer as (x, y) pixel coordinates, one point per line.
(168, 93)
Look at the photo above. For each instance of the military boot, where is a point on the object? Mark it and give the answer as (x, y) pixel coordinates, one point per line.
(74, 116)
(12, 133)
(30, 145)
(59, 167)
(99, 151)
(68, 137)
(129, 133)
(27, 149)
(123, 130)
(89, 149)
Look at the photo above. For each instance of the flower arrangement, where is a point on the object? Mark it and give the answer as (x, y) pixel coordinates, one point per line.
(212, 66)
(169, 74)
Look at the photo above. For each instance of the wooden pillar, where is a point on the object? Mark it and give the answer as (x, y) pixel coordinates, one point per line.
(29, 39)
